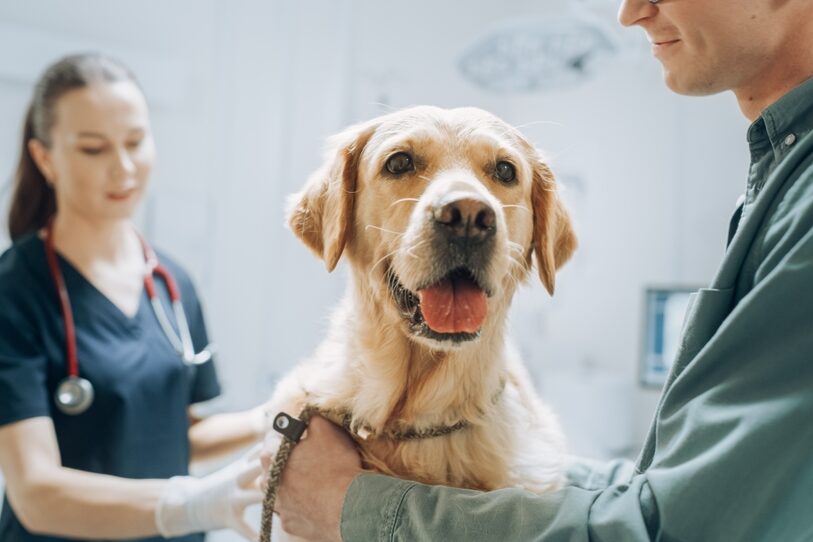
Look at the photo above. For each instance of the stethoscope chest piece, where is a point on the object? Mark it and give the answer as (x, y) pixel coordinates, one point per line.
(74, 395)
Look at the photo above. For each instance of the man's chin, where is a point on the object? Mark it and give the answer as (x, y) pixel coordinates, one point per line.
(688, 84)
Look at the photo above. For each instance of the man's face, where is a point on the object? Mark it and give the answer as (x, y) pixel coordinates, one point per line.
(708, 46)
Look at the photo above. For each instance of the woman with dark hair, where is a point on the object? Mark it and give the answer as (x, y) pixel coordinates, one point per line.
(96, 377)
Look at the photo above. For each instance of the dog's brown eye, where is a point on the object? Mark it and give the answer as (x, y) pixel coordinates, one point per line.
(399, 163)
(505, 172)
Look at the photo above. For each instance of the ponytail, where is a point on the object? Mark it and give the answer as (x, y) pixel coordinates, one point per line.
(33, 202)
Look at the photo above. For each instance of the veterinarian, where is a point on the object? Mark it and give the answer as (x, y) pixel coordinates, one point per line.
(96, 444)
(729, 455)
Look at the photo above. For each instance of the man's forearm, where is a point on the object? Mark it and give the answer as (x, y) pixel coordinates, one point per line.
(381, 508)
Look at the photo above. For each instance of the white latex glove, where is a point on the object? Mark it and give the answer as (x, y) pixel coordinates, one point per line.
(261, 418)
(216, 501)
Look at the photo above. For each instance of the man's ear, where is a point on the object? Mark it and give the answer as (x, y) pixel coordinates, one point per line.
(321, 215)
(554, 239)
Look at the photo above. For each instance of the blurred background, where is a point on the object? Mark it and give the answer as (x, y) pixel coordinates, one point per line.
(244, 93)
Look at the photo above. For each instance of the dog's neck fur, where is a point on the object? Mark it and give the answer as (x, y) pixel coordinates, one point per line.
(415, 388)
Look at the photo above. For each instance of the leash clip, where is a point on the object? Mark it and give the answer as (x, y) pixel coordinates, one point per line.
(289, 427)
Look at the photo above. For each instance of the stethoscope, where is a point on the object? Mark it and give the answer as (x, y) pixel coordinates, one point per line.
(74, 394)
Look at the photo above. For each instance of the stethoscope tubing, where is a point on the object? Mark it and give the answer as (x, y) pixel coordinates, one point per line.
(181, 341)
(75, 394)
(64, 304)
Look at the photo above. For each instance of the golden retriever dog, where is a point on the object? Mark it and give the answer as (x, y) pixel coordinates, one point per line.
(440, 215)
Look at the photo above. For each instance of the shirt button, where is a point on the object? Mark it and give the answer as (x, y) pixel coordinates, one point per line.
(790, 139)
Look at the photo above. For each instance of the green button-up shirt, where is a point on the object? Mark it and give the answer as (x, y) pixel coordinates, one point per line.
(729, 455)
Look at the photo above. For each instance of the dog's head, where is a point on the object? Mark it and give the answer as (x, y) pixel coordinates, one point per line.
(439, 212)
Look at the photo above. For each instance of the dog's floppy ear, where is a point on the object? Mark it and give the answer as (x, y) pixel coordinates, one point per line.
(554, 239)
(321, 215)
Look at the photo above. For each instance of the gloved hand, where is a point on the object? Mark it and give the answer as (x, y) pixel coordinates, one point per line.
(216, 501)
(261, 418)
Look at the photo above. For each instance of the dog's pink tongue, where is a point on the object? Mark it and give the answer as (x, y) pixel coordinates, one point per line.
(457, 306)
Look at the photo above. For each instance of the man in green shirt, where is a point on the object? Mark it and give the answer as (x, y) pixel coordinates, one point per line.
(729, 455)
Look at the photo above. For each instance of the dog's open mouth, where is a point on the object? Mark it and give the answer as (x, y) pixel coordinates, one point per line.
(450, 309)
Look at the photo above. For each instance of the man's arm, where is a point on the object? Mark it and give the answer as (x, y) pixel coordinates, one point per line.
(732, 458)
(381, 508)
(732, 454)
(592, 474)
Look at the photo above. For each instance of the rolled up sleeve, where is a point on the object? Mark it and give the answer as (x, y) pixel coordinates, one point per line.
(380, 508)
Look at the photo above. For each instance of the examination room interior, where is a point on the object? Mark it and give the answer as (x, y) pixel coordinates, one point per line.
(243, 95)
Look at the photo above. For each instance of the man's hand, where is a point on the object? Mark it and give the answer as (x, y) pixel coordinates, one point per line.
(315, 480)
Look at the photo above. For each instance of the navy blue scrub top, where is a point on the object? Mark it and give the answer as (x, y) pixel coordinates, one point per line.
(137, 426)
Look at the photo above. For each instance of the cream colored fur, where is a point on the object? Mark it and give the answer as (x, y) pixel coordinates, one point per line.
(370, 363)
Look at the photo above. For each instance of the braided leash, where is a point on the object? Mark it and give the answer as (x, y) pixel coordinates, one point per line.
(292, 429)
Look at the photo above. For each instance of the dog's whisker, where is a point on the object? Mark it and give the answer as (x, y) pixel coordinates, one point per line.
(538, 122)
(515, 263)
(511, 205)
(399, 234)
(413, 247)
(424, 178)
(372, 269)
(384, 106)
(516, 246)
(553, 156)
(516, 272)
(402, 200)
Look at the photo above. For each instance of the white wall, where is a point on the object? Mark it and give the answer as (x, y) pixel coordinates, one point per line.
(244, 93)
(650, 178)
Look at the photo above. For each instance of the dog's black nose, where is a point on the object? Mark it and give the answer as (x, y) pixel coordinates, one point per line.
(468, 219)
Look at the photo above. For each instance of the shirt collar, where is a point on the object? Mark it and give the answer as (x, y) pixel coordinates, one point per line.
(785, 121)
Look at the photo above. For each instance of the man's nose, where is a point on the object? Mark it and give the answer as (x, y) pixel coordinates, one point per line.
(466, 219)
(633, 11)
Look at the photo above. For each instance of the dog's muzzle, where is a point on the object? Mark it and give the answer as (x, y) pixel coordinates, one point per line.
(450, 304)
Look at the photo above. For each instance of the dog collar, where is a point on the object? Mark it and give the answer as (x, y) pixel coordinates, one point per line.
(363, 431)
